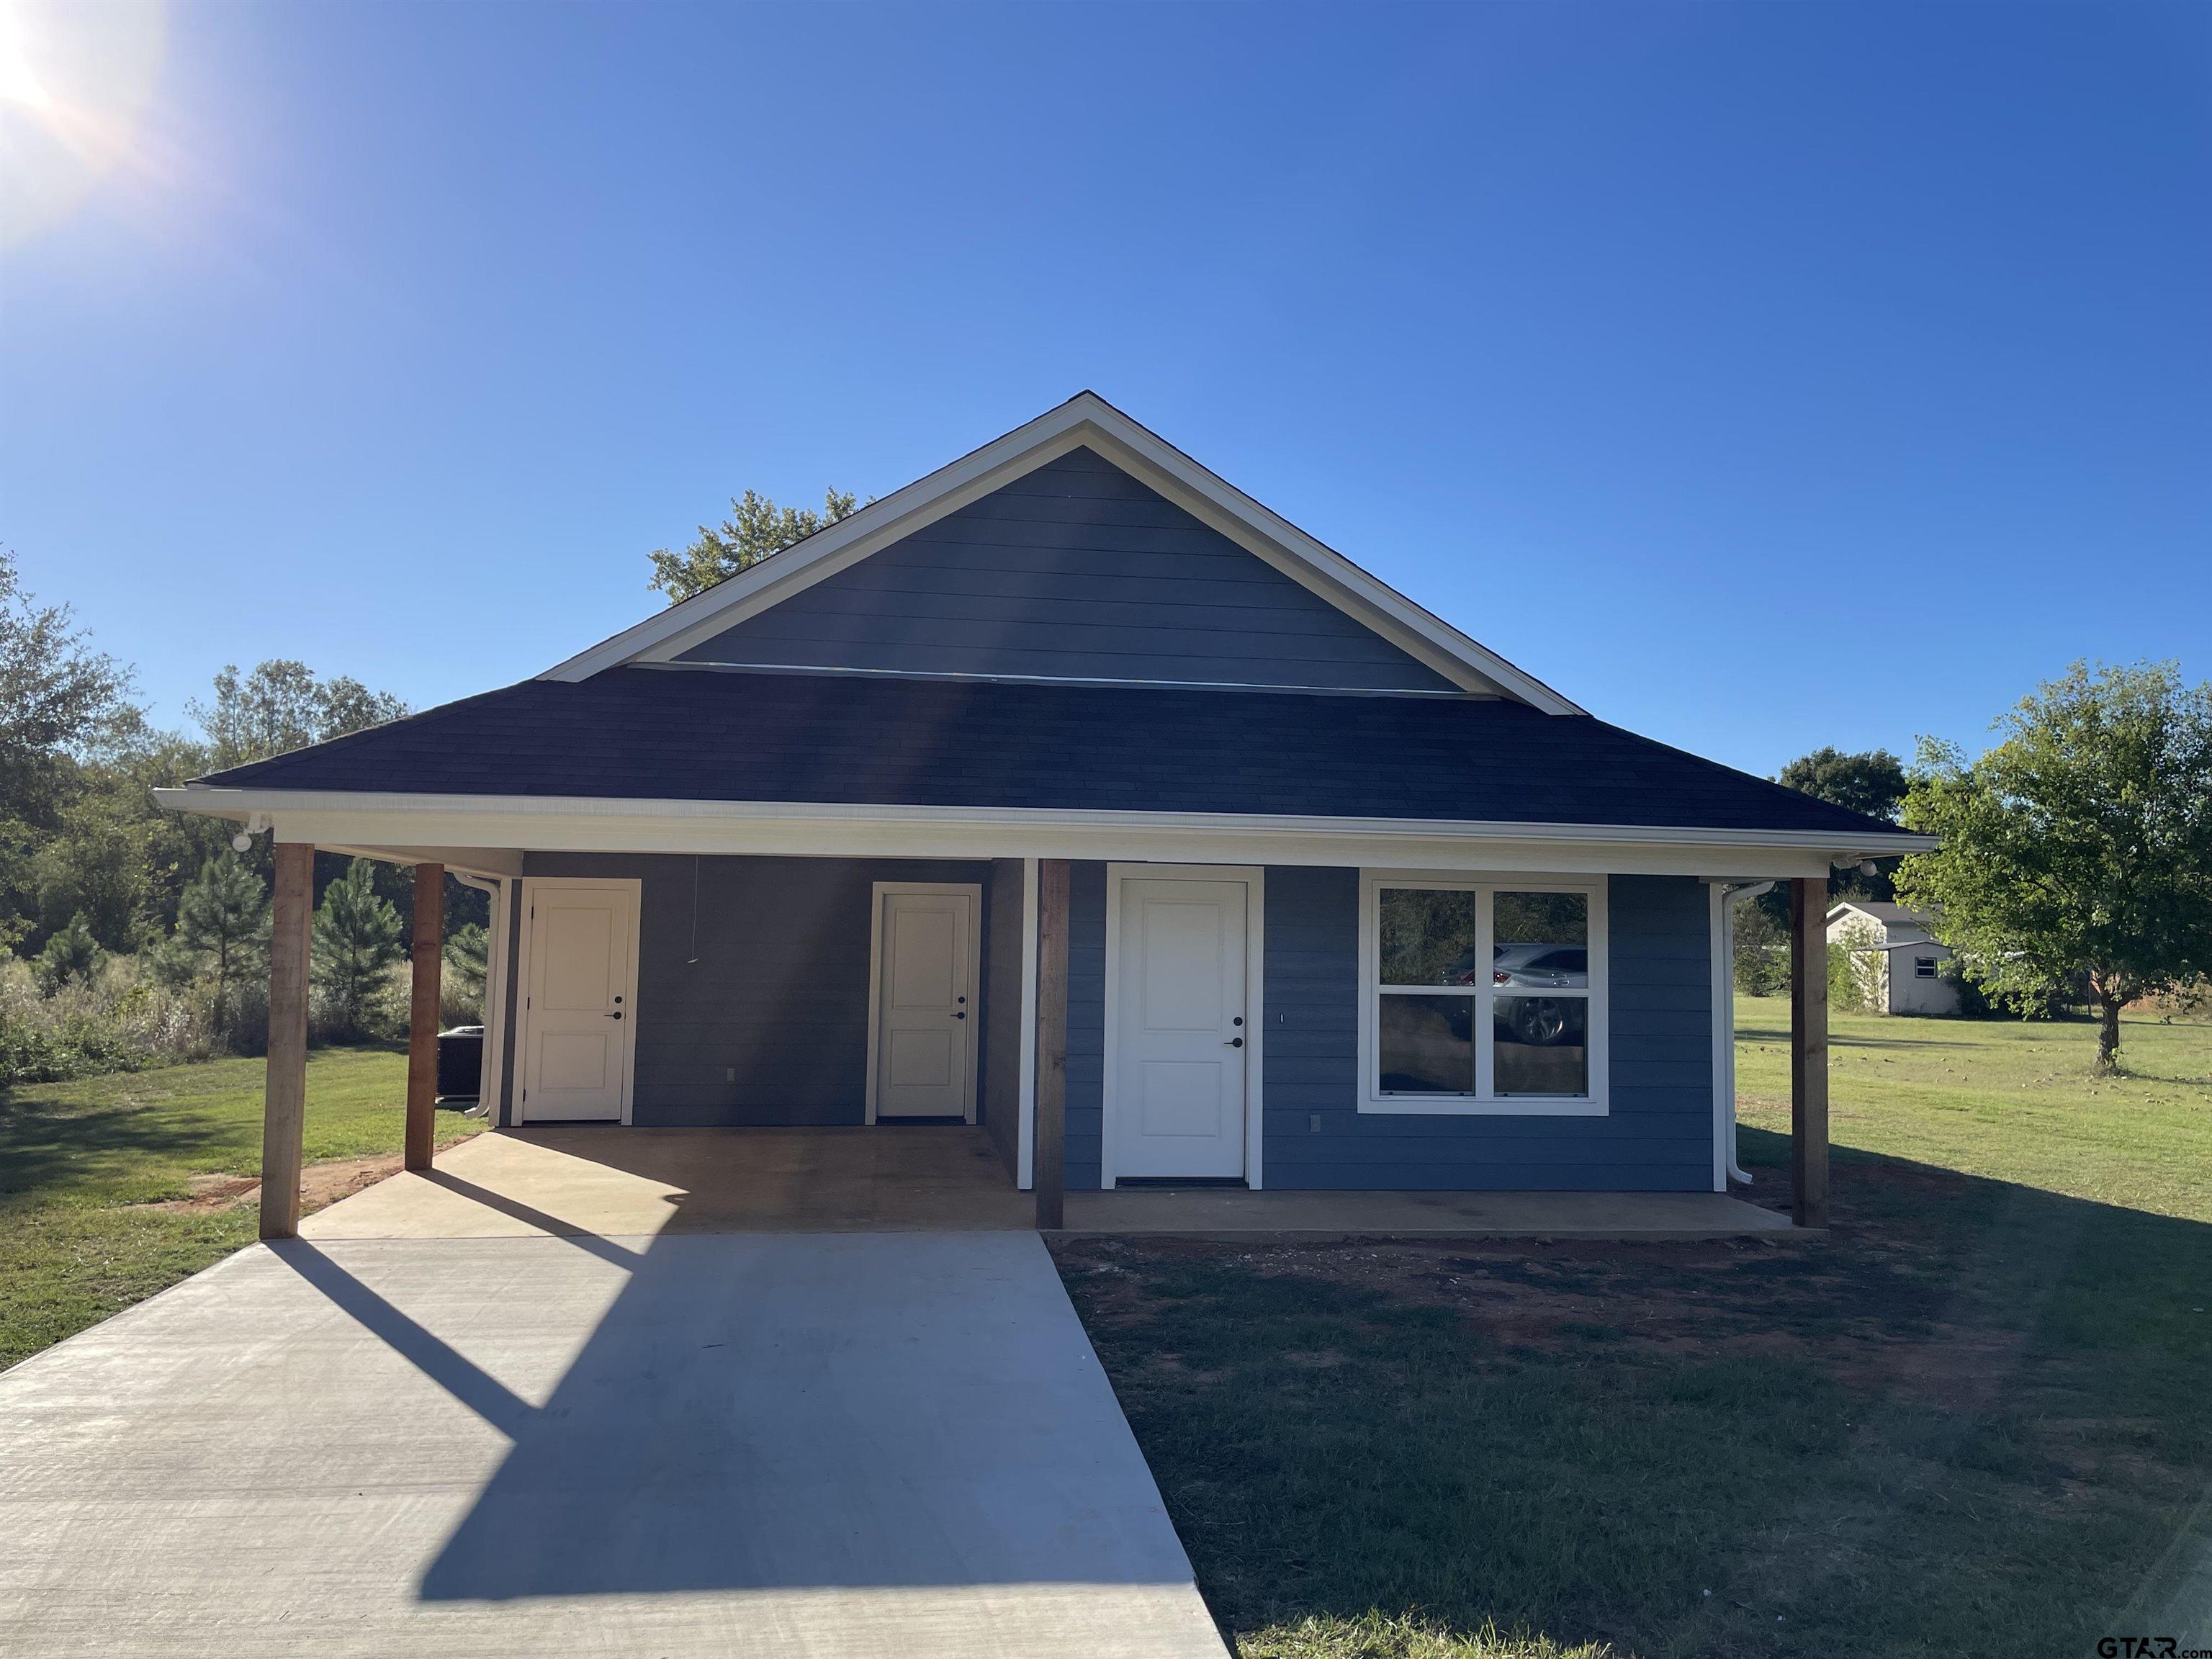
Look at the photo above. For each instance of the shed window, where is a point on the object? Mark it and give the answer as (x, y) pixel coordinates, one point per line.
(1482, 996)
(1924, 967)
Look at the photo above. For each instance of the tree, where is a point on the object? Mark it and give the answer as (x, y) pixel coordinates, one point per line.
(59, 699)
(282, 706)
(2081, 846)
(755, 528)
(1871, 782)
(71, 954)
(224, 915)
(356, 941)
(64, 708)
(468, 959)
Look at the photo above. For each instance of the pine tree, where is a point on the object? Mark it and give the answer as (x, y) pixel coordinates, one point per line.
(224, 914)
(356, 941)
(72, 953)
(468, 955)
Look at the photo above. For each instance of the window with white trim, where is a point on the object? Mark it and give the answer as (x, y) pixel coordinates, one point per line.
(1482, 996)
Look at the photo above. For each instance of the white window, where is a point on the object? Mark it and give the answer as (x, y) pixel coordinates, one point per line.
(1924, 967)
(1482, 995)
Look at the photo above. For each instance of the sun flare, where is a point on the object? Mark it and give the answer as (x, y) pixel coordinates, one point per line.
(19, 82)
(75, 85)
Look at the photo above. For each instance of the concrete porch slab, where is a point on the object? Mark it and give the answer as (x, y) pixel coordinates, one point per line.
(603, 1178)
(1232, 1213)
(609, 1181)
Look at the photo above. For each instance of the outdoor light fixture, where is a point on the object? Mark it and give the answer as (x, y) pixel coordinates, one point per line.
(243, 841)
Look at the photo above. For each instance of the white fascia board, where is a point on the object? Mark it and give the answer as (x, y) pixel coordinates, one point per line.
(803, 828)
(1084, 420)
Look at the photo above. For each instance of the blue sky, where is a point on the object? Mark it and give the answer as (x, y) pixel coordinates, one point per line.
(1761, 376)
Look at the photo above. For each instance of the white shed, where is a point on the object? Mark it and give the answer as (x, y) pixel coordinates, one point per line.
(1903, 958)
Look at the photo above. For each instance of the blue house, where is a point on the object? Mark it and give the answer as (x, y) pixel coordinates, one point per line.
(1071, 793)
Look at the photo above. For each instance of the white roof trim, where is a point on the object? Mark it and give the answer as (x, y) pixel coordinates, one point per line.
(1086, 420)
(216, 801)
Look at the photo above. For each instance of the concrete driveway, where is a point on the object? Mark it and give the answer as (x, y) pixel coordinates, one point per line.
(855, 1444)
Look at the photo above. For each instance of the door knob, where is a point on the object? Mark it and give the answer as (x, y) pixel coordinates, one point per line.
(614, 1016)
(1234, 1042)
(960, 1015)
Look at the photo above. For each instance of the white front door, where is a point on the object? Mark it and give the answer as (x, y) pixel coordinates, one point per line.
(926, 1011)
(579, 1017)
(1179, 1071)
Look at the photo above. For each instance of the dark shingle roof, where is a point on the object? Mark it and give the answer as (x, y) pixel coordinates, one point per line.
(707, 735)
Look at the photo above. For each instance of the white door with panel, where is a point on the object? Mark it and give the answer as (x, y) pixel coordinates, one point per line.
(578, 1014)
(1180, 1042)
(925, 1009)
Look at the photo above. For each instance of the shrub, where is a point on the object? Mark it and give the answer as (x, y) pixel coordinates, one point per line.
(1855, 979)
(1762, 953)
(118, 1020)
(2192, 1001)
(72, 955)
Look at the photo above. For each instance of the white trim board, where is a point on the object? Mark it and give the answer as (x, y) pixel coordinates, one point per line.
(491, 1090)
(501, 823)
(1085, 421)
(531, 886)
(878, 892)
(1255, 879)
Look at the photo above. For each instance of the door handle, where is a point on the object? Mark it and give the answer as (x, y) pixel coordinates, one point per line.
(960, 1015)
(1234, 1042)
(614, 1016)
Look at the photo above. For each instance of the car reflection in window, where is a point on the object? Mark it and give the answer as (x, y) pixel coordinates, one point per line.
(1540, 967)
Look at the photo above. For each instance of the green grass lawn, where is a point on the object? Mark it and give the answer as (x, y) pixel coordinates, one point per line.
(91, 1171)
(1971, 1419)
(2012, 1101)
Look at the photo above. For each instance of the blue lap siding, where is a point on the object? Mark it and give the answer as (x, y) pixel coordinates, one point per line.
(1656, 1137)
(1075, 569)
(779, 992)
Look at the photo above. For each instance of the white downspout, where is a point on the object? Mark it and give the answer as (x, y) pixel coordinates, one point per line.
(495, 1044)
(1726, 896)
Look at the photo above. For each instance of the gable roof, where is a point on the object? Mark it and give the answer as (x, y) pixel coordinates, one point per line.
(725, 736)
(1075, 571)
(1085, 421)
(1884, 911)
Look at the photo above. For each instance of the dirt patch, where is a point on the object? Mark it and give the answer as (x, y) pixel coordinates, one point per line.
(1865, 1313)
(321, 1185)
(206, 1193)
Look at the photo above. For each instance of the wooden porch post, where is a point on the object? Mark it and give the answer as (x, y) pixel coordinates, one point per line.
(1808, 1050)
(1051, 1172)
(422, 1014)
(284, 1097)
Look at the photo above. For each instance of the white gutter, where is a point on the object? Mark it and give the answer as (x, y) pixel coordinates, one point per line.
(1727, 895)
